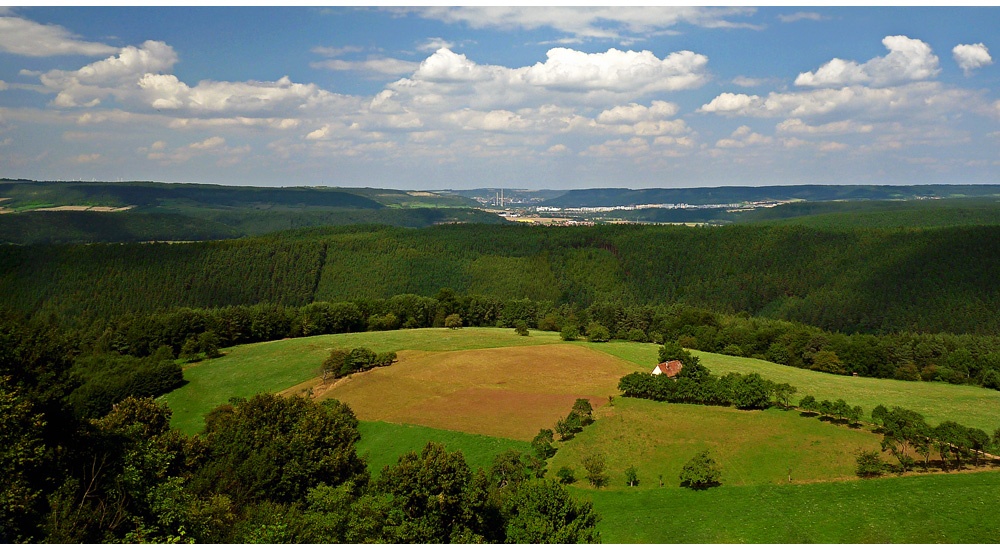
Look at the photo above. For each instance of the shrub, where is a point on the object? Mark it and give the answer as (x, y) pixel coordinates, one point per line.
(594, 464)
(701, 472)
(521, 328)
(732, 349)
(631, 476)
(542, 444)
(569, 333)
(597, 333)
(453, 321)
(550, 323)
(566, 475)
(637, 335)
(869, 464)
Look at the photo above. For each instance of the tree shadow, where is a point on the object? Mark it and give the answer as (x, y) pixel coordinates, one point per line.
(808, 414)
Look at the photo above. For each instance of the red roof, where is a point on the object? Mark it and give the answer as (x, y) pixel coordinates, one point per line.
(670, 368)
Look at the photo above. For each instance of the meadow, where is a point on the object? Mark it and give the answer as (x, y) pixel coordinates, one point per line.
(944, 508)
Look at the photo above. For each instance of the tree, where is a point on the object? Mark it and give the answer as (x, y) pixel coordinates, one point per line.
(751, 391)
(521, 328)
(869, 464)
(594, 464)
(453, 321)
(542, 444)
(544, 513)
(954, 440)
(701, 472)
(631, 476)
(584, 410)
(566, 475)
(901, 429)
(978, 440)
(783, 393)
(854, 415)
(808, 403)
(276, 448)
(841, 409)
(335, 365)
(569, 333)
(878, 414)
(596, 332)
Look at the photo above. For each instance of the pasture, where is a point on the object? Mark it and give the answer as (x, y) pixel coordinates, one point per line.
(944, 508)
(507, 392)
(938, 401)
(752, 447)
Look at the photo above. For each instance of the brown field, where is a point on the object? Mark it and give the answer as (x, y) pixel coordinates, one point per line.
(505, 392)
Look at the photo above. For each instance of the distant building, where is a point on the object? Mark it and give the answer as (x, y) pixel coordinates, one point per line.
(670, 368)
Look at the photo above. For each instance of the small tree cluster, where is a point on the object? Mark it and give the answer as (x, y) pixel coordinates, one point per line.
(342, 362)
(206, 343)
(838, 409)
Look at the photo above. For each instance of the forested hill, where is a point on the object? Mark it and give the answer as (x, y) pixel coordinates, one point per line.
(736, 194)
(870, 280)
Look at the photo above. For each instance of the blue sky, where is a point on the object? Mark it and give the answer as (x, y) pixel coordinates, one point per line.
(554, 98)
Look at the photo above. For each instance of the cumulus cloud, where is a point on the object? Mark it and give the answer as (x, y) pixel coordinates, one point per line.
(589, 22)
(971, 57)
(908, 59)
(566, 76)
(919, 99)
(743, 137)
(379, 65)
(23, 37)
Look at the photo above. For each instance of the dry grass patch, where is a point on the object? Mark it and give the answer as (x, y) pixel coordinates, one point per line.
(503, 392)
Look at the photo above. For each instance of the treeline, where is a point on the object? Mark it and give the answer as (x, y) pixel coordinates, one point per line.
(864, 280)
(957, 359)
(264, 470)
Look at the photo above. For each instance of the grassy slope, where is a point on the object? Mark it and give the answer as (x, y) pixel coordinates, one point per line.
(947, 508)
(968, 405)
(752, 447)
(274, 366)
(382, 443)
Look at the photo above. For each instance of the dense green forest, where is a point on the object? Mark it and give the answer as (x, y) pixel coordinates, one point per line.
(200, 225)
(858, 280)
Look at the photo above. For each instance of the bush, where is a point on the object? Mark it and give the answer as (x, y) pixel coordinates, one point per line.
(597, 333)
(566, 475)
(869, 464)
(631, 476)
(453, 321)
(732, 349)
(637, 335)
(701, 472)
(594, 464)
(569, 333)
(542, 444)
(521, 328)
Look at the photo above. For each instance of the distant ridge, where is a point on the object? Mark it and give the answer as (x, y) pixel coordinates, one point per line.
(728, 195)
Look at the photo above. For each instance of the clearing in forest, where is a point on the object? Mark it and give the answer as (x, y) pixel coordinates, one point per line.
(504, 392)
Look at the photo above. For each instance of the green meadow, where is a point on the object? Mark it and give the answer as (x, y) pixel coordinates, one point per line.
(944, 508)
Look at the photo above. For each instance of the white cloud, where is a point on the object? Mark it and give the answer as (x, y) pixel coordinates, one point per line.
(743, 137)
(336, 52)
(23, 37)
(281, 96)
(158, 146)
(588, 22)
(633, 112)
(971, 57)
(796, 126)
(748, 82)
(618, 148)
(908, 59)
(435, 44)
(802, 15)
(379, 65)
(210, 143)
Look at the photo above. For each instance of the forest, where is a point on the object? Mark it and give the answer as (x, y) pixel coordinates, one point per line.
(868, 280)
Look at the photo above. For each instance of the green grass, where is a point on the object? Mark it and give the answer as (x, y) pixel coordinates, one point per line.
(937, 401)
(382, 443)
(752, 447)
(947, 508)
(274, 366)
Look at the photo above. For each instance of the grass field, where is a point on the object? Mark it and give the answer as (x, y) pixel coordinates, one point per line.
(937, 401)
(752, 447)
(504, 392)
(946, 508)
(383, 443)
(274, 366)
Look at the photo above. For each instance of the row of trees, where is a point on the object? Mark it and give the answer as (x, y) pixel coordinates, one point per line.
(342, 362)
(905, 432)
(909, 356)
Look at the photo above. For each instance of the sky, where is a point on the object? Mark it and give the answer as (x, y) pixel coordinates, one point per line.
(518, 97)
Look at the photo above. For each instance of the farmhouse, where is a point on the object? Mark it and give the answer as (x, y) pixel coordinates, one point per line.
(670, 368)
